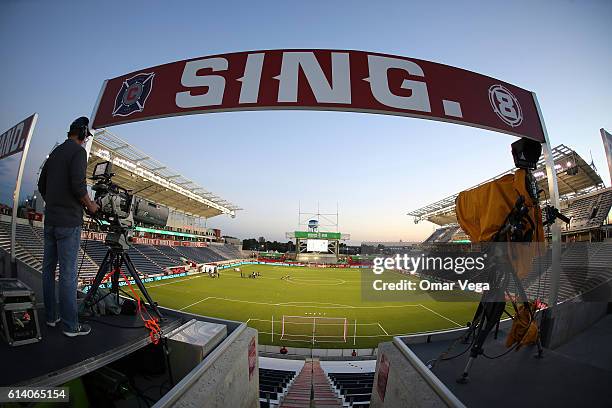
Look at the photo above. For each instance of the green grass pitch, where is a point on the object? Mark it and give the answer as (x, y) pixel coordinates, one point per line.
(322, 307)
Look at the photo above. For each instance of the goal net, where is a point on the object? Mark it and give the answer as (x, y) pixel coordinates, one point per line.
(314, 329)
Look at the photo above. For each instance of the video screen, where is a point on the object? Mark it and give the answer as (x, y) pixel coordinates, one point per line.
(100, 169)
(316, 245)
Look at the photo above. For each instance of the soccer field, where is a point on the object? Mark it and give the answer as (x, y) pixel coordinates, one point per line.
(314, 307)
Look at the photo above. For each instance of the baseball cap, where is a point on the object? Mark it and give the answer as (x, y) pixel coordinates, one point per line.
(79, 123)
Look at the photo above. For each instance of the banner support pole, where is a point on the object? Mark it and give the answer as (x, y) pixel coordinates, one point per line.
(24, 156)
(553, 191)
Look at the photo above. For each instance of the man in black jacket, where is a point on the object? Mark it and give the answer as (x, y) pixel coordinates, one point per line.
(62, 186)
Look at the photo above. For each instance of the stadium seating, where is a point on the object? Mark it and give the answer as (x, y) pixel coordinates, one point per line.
(20, 252)
(273, 385)
(227, 251)
(155, 256)
(199, 254)
(447, 233)
(95, 249)
(584, 266)
(355, 389)
(29, 240)
(171, 253)
(588, 211)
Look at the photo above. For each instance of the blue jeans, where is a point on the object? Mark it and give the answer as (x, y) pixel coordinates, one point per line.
(61, 244)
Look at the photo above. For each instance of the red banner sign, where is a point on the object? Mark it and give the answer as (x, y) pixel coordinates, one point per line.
(14, 140)
(319, 80)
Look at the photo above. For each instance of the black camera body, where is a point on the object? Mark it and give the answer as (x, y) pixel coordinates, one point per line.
(115, 214)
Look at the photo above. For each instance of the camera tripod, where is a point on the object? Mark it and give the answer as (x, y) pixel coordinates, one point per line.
(116, 257)
(492, 305)
(490, 310)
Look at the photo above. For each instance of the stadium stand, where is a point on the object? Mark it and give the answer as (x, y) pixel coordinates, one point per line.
(584, 266)
(273, 386)
(199, 254)
(148, 259)
(227, 251)
(444, 234)
(588, 211)
(20, 252)
(30, 247)
(170, 253)
(154, 255)
(355, 389)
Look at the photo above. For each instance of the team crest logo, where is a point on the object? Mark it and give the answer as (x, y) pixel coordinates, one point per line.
(505, 105)
(133, 94)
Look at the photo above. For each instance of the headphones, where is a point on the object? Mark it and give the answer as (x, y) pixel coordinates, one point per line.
(83, 132)
(81, 125)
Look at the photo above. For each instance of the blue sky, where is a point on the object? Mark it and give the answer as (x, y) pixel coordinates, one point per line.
(56, 55)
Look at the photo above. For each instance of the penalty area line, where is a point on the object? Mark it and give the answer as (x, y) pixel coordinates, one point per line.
(194, 303)
(382, 328)
(442, 316)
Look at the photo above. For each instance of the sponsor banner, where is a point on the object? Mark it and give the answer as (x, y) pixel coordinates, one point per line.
(101, 236)
(607, 141)
(318, 235)
(176, 269)
(342, 80)
(107, 284)
(94, 236)
(14, 140)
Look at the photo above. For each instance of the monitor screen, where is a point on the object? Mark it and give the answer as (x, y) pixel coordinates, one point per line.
(316, 245)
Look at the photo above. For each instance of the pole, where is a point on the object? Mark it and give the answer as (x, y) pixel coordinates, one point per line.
(355, 334)
(272, 329)
(607, 142)
(553, 191)
(24, 156)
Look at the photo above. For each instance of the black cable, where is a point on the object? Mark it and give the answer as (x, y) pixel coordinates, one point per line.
(518, 343)
(441, 358)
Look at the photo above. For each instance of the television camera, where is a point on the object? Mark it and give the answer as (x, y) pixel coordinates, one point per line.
(506, 210)
(115, 214)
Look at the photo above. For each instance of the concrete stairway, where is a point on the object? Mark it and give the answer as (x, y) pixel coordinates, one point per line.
(311, 378)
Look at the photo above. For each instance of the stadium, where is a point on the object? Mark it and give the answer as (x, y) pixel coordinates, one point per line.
(306, 302)
(504, 301)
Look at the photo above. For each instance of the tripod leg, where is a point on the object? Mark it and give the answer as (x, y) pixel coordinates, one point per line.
(98, 280)
(132, 270)
(496, 332)
(474, 323)
(492, 313)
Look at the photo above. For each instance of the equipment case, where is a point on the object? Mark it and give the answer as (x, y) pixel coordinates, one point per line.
(18, 315)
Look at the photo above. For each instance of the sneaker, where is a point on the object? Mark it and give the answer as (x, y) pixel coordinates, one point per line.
(82, 330)
(54, 323)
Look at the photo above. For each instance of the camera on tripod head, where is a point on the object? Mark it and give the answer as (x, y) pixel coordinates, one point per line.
(115, 202)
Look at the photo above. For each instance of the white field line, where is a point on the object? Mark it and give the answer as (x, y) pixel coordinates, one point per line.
(382, 328)
(194, 303)
(310, 304)
(442, 316)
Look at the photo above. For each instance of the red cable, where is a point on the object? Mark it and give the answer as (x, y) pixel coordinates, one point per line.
(151, 323)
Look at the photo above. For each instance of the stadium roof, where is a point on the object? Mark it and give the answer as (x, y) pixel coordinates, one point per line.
(442, 212)
(152, 180)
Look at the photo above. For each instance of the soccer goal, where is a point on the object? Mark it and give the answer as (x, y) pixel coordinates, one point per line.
(314, 329)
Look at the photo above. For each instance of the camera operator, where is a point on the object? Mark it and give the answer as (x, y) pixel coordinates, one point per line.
(62, 186)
